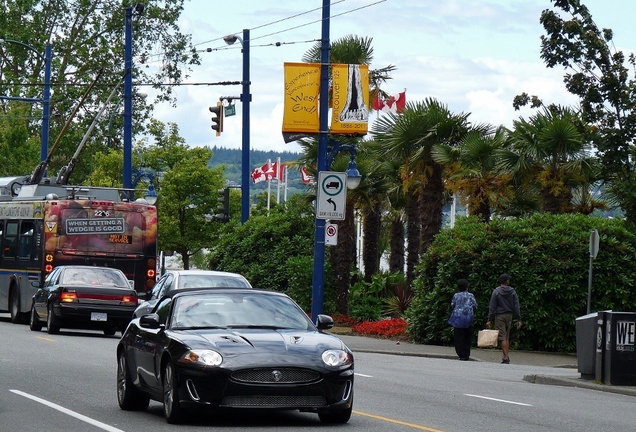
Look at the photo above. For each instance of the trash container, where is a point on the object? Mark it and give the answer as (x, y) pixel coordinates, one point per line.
(586, 345)
(619, 363)
(600, 345)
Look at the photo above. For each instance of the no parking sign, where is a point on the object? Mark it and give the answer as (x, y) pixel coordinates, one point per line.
(331, 234)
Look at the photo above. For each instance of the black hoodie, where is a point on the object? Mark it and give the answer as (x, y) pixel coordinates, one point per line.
(504, 299)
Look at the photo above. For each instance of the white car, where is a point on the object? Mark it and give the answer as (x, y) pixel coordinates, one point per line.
(179, 279)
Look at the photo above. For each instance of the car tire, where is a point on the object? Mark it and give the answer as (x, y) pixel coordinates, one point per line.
(110, 331)
(128, 396)
(52, 324)
(16, 316)
(172, 409)
(34, 321)
(335, 417)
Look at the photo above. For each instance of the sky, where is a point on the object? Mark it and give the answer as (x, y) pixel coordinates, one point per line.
(473, 56)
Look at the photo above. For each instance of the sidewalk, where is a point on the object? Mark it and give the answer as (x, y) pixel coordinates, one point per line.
(530, 358)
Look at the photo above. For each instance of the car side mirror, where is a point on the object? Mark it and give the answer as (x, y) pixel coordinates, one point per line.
(324, 322)
(150, 321)
(36, 284)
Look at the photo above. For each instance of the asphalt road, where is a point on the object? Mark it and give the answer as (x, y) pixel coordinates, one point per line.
(66, 383)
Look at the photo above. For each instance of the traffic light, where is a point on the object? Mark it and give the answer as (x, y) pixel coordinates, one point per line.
(223, 209)
(217, 119)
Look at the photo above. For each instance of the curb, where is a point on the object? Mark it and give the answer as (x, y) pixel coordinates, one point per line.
(579, 382)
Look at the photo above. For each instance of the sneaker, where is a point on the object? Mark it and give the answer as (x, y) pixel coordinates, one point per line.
(506, 361)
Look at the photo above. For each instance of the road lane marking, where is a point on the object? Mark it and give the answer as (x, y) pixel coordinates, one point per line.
(498, 400)
(363, 375)
(81, 417)
(46, 339)
(390, 420)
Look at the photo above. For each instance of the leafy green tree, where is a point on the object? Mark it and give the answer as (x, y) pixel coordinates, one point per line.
(19, 147)
(87, 47)
(600, 76)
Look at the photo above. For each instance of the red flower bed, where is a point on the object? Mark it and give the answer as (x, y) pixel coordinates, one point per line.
(344, 320)
(393, 327)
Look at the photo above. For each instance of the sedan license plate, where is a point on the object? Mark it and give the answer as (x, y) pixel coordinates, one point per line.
(98, 316)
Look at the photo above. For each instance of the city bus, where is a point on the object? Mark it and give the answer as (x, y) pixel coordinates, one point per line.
(46, 225)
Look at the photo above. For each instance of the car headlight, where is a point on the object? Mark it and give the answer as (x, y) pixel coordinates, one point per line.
(205, 357)
(336, 357)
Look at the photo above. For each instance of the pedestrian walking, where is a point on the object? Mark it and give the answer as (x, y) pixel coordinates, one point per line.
(464, 307)
(504, 306)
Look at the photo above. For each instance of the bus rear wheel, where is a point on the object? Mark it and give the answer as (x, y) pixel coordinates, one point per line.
(16, 315)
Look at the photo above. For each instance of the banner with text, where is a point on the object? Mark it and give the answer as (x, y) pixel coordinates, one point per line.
(302, 87)
(350, 113)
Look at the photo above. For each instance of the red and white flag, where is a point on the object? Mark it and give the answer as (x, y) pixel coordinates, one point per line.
(304, 175)
(394, 103)
(268, 172)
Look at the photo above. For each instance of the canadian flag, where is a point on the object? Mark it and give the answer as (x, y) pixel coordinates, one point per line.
(304, 175)
(395, 103)
(268, 172)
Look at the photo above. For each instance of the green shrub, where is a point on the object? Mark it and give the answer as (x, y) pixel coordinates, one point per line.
(548, 259)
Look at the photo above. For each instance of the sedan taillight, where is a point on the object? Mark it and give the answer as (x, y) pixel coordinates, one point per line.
(130, 299)
(68, 297)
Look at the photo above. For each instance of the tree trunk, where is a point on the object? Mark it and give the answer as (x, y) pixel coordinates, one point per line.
(341, 257)
(413, 232)
(396, 257)
(432, 207)
(370, 254)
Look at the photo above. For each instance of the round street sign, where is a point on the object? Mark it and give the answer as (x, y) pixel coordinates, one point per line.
(331, 234)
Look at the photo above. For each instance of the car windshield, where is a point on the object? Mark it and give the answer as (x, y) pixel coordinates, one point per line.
(212, 281)
(94, 276)
(240, 310)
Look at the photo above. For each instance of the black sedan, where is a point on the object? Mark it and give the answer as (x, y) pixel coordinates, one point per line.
(83, 297)
(233, 349)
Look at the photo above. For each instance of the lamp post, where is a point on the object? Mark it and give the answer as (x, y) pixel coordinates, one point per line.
(246, 98)
(318, 279)
(128, 66)
(46, 96)
(114, 111)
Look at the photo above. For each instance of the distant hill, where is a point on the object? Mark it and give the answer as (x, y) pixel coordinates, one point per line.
(232, 158)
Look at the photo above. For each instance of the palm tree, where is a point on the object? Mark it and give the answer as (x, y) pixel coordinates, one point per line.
(348, 50)
(550, 151)
(471, 170)
(409, 138)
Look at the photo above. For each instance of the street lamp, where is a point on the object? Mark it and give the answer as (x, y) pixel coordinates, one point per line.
(46, 97)
(246, 98)
(151, 193)
(128, 94)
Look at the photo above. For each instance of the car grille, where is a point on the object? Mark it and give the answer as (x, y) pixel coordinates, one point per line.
(274, 401)
(276, 376)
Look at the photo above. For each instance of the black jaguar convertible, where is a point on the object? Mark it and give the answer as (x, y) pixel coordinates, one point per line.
(233, 349)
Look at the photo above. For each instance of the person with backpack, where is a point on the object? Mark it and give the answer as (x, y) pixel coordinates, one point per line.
(504, 306)
(464, 307)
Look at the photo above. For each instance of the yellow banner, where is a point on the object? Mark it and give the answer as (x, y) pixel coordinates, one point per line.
(350, 113)
(302, 87)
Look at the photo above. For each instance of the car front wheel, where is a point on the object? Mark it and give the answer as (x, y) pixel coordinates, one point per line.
(172, 409)
(128, 396)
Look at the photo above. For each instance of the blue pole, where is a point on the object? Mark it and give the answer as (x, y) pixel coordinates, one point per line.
(46, 108)
(318, 288)
(246, 98)
(128, 102)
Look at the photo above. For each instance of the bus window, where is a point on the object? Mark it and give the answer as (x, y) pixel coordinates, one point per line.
(11, 240)
(26, 240)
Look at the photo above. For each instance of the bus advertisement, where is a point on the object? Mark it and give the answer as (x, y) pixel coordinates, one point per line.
(88, 226)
